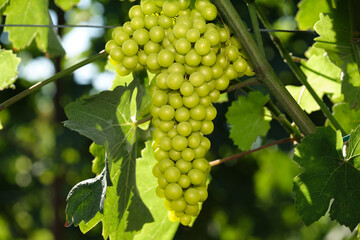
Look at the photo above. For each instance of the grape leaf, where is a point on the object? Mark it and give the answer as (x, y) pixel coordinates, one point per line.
(86, 198)
(309, 11)
(348, 118)
(3, 3)
(328, 176)
(66, 4)
(351, 93)
(323, 76)
(161, 228)
(336, 38)
(106, 119)
(247, 120)
(32, 12)
(8, 67)
(98, 163)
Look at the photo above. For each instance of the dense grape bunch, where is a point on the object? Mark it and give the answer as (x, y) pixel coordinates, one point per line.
(193, 59)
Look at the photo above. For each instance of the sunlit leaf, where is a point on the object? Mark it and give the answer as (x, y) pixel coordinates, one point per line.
(309, 11)
(323, 76)
(247, 119)
(161, 228)
(32, 12)
(3, 3)
(8, 68)
(336, 38)
(348, 118)
(66, 4)
(328, 175)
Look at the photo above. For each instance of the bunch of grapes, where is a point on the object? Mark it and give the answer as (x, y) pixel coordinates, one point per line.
(193, 59)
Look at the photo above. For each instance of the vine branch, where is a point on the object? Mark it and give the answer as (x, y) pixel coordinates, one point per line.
(298, 73)
(58, 75)
(219, 161)
(263, 69)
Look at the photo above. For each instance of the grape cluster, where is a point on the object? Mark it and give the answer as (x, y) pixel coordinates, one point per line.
(193, 59)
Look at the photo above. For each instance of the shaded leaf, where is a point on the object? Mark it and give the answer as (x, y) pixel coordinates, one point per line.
(66, 4)
(247, 119)
(161, 228)
(8, 67)
(323, 76)
(309, 11)
(86, 198)
(328, 175)
(32, 12)
(106, 119)
(336, 38)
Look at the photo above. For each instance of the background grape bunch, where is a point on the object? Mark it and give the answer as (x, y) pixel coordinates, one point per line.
(193, 58)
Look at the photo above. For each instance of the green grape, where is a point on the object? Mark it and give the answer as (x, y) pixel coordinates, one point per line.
(201, 164)
(183, 166)
(173, 191)
(191, 196)
(185, 220)
(164, 164)
(130, 47)
(179, 143)
(184, 181)
(196, 176)
(165, 58)
(192, 210)
(182, 114)
(188, 154)
(202, 46)
(198, 112)
(166, 113)
(166, 126)
(172, 174)
(178, 205)
(141, 36)
(171, 8)
(184, 128)
(116, 54)
(174, 155)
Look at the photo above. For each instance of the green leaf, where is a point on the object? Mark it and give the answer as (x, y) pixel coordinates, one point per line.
(336, 37)
(161, 228)
(323, 76)
(3, 3)
(275, 174)
(351, 93)
(309, 11)
(86, 198)
(66, 4)
(8, 67)
(328, 175)
(247, 119)
(348, 118)
(32, 12)
(98, 163)
(106, 119)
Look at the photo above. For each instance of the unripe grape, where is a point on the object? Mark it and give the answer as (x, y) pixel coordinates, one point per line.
(173, 191)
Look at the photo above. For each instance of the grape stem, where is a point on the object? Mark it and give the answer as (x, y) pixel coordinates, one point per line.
(239, 155)
(144, 120)
(58, 75)
(263, 69)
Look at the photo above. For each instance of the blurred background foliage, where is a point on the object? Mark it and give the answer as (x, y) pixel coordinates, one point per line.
(41, 160)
